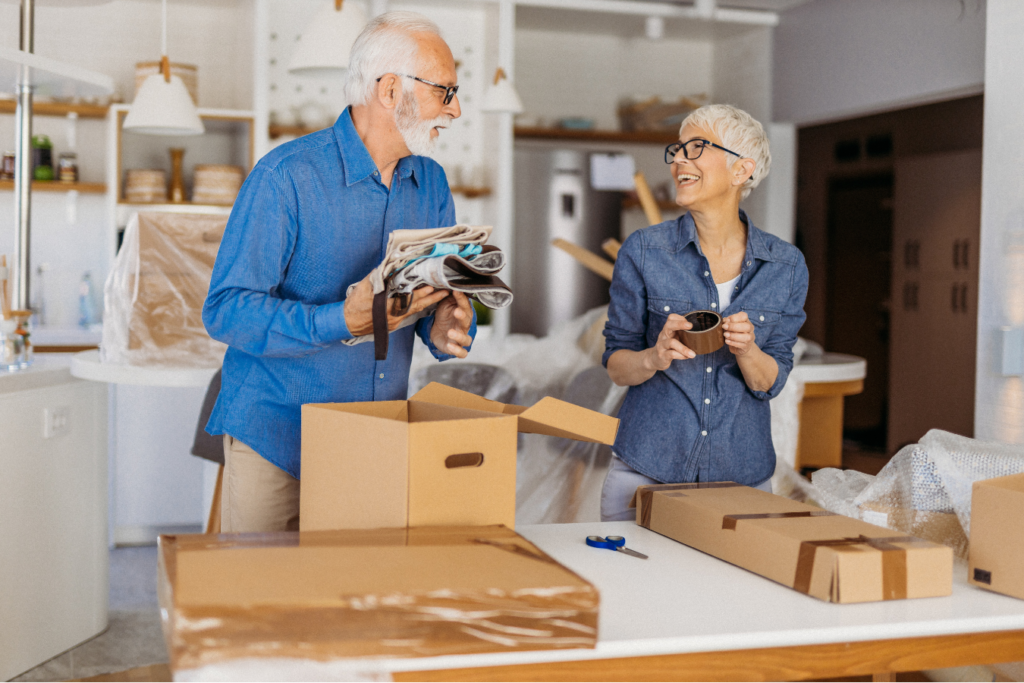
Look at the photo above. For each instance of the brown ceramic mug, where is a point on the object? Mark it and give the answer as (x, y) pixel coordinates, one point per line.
(706, 334)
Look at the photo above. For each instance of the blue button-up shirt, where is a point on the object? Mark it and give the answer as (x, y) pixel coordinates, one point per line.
(312, 218)
(698, 420)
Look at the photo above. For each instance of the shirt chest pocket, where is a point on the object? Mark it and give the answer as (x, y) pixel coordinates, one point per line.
(764, 322)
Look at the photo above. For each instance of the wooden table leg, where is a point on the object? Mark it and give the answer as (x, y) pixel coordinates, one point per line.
(213, 523)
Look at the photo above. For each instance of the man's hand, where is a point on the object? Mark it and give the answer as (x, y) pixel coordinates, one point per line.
(450, 333)
(669, 348)
(739, 334)
(359, 307)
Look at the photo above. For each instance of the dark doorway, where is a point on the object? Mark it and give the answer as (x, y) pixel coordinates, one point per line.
(859, 279)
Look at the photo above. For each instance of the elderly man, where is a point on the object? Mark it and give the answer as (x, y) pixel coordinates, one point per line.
(314, 217)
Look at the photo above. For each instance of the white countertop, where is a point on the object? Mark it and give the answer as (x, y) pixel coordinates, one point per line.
(830, 367)
(682, 600)
(87, 365)
(47, 370)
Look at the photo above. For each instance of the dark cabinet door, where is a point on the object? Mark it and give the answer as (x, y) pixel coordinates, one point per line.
(936, 224)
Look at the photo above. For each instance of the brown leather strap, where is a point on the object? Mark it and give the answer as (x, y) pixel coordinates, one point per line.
(380, 325)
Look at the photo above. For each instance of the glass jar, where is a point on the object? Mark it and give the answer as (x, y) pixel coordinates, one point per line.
(67, 168)
(12, 347)
(7, 169)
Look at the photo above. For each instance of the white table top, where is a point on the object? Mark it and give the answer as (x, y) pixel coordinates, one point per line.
(681, 601)
(87, 365)
(830, 367)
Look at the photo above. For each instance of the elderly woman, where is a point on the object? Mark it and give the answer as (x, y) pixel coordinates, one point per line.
(690, 417)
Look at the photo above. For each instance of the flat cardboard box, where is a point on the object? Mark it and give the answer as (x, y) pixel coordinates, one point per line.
(827, 556)
(444, 457)
(997, 535)
(367, 593)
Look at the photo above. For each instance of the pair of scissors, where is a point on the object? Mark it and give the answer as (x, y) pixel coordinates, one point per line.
(613, 543)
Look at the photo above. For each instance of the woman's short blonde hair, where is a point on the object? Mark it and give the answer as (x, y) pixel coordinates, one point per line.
(740, 132)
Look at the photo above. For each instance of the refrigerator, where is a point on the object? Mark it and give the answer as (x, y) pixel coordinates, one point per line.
(554, 198)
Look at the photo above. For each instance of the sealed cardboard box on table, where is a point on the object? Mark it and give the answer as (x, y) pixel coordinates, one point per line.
(367, 593)
(444, 457)
(820, 553)
(997, 535)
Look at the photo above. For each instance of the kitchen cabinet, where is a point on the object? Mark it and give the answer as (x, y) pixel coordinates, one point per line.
(934, 295)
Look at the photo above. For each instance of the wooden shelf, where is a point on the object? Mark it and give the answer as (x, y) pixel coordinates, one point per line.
(56, 186)
(471, 192)
(177, 206)
(87, 111)
(296, 131)
(649, 137)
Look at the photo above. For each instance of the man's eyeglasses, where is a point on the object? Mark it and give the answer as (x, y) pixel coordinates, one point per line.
(692, 149)
(449, 90)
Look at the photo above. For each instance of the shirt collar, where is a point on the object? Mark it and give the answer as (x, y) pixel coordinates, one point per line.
(756, 246)
(356, 161)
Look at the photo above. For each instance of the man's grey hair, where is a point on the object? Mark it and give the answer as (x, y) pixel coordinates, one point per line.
(740, 132)
(385, 46)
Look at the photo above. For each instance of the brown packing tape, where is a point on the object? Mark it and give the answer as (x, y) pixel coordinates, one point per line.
(646, 503)
(894, 561)
(729, 521)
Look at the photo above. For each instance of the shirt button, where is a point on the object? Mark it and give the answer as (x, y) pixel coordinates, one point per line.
(707, 400)
(762, 318)
(666, 308)
(709, 370)
(748, 263)
(704, 432)
(706, 273)
(714, 305)
(381, 375)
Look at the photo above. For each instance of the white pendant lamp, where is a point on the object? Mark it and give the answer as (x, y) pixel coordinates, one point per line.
(501, 96)
(326, 43)
(163, 106)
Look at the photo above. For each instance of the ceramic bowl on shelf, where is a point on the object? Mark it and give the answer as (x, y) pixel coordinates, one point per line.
(216, 183)
(145, 185)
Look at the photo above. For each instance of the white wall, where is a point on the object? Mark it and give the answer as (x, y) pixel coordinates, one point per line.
(215, 35)
(564, 73)
(835, 60)
(999, 401)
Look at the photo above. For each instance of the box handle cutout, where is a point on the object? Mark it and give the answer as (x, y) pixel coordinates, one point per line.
(982, 576)
(464, 460)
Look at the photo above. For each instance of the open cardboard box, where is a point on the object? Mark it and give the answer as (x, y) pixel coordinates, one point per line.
(444, 457)
(997, 535)
(820, 553)
(367, 593)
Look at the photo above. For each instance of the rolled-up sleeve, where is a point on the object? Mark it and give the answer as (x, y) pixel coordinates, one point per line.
(243, 308)
(780, 344)
(627, 313)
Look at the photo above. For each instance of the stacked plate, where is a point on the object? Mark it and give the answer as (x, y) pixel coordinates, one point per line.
(216, 184)
(143, 185)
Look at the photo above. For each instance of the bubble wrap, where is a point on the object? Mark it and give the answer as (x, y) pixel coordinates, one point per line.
(924, 490)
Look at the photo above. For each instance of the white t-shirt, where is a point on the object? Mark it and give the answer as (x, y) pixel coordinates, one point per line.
(725, 292)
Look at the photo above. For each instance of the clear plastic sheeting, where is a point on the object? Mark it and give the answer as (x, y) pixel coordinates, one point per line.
(924, 490)
(153, 298)
(559, 480)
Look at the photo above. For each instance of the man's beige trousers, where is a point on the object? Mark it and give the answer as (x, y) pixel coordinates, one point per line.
(256, 495)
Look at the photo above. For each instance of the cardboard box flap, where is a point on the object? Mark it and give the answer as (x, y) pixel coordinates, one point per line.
(558, 418)
(450, 396)
(548, 416)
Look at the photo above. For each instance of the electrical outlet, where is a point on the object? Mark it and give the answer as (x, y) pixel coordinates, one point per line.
(56, 421)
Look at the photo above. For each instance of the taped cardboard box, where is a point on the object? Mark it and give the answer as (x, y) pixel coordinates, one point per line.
(820, 553)
(997, 535)
(444, 457)
(367, 593)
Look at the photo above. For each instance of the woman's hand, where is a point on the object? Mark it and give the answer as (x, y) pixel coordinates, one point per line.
(739, 334)
(669, 348)
(630, 368)
(452, 319)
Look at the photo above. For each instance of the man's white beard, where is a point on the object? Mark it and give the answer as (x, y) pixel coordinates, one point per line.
(416, 133)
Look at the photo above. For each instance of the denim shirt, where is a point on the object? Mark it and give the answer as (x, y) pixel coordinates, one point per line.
(312, 218)
(698, 420)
